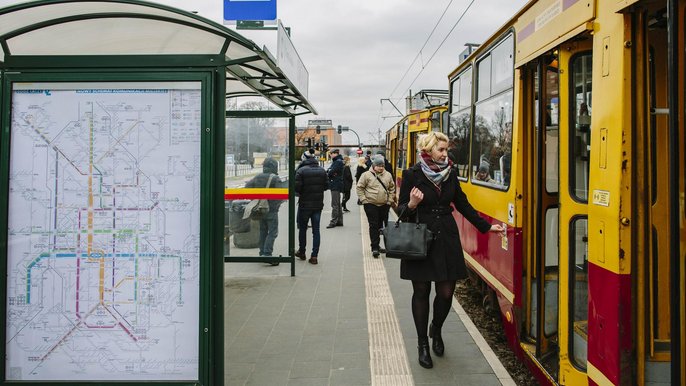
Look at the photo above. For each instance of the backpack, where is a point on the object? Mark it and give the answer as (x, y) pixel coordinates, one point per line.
(258, 208)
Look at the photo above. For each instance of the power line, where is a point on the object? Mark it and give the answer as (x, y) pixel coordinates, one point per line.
(420, 50)
(439, 46)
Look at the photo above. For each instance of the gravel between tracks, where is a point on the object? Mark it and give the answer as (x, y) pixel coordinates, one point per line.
(489, 325)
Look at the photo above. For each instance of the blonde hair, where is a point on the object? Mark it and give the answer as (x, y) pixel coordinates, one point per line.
(361, 161)
(346, 160)
(428, 141)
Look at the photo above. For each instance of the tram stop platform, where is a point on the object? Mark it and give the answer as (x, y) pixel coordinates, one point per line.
(345, 321)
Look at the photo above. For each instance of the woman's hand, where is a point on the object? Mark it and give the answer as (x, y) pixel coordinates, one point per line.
(497, 228)
(416, 196)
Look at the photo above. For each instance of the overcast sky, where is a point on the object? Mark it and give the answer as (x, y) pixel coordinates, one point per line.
(356, 51)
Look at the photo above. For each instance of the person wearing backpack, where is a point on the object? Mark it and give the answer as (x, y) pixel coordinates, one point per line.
(269, 222)
(376, 190)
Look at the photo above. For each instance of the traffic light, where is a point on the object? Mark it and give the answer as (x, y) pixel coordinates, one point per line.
(318, 129)
(309, 142)
(316, 146)
(325, 147)
(340, 129)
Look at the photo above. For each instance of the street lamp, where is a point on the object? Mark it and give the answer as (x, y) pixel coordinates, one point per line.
(346, 128)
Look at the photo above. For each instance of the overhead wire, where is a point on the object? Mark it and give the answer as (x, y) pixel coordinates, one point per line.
(438, 48)
(432, 55)
(421, 49)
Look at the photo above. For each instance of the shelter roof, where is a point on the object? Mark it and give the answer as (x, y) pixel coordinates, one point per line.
(133, 27)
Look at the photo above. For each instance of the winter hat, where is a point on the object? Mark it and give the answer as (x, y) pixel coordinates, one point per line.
(309, 153)
(334, 151)
(377, 160)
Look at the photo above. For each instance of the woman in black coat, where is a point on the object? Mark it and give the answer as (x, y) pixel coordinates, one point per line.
(428, 189)
(347, 183)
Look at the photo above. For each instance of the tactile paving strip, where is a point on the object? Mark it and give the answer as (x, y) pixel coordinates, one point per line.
(389, 364)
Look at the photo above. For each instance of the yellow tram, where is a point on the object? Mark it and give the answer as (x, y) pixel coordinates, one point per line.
(427, 111)
(567, 125)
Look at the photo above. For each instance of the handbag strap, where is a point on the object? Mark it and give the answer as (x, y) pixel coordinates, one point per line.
(416, 213)
(381, 182)
(269, 180)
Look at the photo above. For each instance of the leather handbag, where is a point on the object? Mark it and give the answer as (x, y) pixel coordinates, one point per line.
(407, 240)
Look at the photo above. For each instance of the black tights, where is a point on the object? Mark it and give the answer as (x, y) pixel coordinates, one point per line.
(420, 304)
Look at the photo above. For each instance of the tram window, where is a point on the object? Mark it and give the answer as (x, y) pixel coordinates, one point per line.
(465, 90)
(502, 65)
(460, 122)
(436, 121)
(492, 141)
(483, 78)
(580, 122)
(578, 296)
(444, 122)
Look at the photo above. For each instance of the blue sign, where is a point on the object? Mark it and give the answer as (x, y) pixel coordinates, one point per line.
(249, 9)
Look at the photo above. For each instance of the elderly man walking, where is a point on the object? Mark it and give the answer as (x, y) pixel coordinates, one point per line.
(376, 190)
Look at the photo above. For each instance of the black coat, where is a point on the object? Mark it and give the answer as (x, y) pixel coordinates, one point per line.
(446, 259)
(310, 183)
(335, 173)
(347, 179)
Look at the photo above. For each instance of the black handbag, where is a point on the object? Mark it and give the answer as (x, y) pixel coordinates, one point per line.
(407, 240)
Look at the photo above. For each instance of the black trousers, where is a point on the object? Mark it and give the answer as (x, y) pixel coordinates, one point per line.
(377, 216)
(346, 197)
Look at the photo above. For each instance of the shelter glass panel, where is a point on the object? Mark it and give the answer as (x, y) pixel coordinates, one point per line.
(256, 187)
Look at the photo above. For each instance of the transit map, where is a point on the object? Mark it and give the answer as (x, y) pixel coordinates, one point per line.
(103, 232)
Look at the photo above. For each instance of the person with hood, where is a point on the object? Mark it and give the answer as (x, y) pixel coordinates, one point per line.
(347, 183)
(310, 183)
(482, 174)
(335, 174)
(377, 193)
(429, 191)
(269, 223)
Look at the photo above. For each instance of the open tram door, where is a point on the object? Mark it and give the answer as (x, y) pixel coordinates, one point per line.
(541, 112)
(657, 30)
(558, 104)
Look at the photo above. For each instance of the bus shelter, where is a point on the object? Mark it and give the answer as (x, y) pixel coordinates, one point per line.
(113, 155)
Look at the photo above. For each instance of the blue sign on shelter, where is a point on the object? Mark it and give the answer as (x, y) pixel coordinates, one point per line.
(249, 9)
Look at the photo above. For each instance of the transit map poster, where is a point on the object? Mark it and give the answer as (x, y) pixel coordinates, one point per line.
(103, 232)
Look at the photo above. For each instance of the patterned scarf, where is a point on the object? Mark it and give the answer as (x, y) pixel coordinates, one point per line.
(434, 171)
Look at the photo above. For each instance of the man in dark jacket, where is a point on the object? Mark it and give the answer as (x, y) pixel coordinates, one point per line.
(269, 223)
(335, 174)
(310, 183)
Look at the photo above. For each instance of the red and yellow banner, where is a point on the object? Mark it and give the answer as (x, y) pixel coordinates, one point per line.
(256, 194)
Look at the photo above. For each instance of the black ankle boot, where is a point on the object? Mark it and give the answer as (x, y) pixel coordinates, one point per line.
(424, 353)
(437, 340)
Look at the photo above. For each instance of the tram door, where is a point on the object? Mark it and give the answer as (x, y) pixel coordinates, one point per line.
(542, 265)
(660, 357)
(576, 108)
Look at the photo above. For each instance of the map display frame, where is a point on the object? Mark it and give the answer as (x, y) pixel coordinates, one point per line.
(103, 261)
